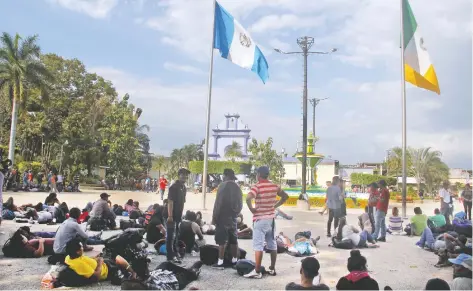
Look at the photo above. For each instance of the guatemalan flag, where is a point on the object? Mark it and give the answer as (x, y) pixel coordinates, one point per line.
(236, 45)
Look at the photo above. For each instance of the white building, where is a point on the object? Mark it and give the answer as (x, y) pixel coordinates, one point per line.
(457, 175)
(293, 171)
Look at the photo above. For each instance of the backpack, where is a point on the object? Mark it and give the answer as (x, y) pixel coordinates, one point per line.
(118, 210)
(209, 255)
(11, 250)
(244, 267)
(303, 234)
(8, 214)
(160, 247)
(345, 244)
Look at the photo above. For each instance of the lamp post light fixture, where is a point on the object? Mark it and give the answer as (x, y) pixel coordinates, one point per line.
(314, 102)
(305, 43)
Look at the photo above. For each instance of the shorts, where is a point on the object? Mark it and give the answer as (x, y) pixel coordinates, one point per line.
(263, 231)
(226, 234)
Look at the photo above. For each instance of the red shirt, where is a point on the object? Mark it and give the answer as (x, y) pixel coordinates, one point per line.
(163, 183)
(264, 192)
(373, 199)
(383, 201)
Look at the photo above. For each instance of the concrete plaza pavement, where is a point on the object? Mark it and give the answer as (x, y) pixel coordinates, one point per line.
(397, 263)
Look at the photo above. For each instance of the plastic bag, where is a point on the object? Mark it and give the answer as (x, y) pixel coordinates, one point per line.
(48, 280)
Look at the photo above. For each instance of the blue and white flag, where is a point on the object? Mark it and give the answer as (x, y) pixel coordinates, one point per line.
(236, 45)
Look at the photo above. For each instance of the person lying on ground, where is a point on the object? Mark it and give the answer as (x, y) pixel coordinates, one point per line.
(68, 231)
(359, 239)
(167, 276)
(310, 277)
(42, 216)
(358, 279)
(19, 246)
(443, 241)
(418, 222)
(96, 269)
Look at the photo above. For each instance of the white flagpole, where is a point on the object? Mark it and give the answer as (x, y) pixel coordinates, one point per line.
(209, 103)
(404, 135)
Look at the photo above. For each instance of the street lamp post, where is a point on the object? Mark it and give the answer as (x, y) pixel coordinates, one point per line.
(305, 43)
(62, 152)
(314, 102)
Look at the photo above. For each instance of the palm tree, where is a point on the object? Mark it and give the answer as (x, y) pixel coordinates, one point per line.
(233, 151)
(20, 71)
(426, 163)
(159, 163)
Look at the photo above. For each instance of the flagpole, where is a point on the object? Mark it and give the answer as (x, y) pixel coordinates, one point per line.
(209, 103)
(404, 135)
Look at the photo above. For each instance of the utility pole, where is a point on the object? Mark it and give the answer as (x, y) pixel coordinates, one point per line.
(314, 102)
(305, 43)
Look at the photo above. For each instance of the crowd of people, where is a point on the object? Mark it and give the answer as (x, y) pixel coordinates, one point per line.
(174, 232)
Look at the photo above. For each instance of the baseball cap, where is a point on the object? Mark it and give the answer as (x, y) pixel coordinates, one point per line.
(229, 173)
(104, 195)
(263, 170)
(460, 259)
(183, 171)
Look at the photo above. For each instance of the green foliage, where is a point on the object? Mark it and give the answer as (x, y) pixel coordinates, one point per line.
(233, 151)
(180, 158)
(26, 166)
(217, 167)
(262, 154)
(366, 179)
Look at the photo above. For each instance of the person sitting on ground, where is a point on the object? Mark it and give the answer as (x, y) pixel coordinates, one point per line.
(395, 222)
(135, 213)
(418, 222)
(438, 221)
(437, 284)
(155, 229)
(10, 205)
(84, 216)
(364, 221)
(68, 231)
(101, 215)
(128, 207)
(310, 277)
(51, 199)
(167, 276)
(244, 232)
(359, 239)
(358, 279)
(188, 230)
(19, 246)
(96, 269)
(462, 274)
(200, 221)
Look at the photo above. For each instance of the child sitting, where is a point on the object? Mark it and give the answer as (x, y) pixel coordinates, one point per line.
(395, 222)
(364, 221)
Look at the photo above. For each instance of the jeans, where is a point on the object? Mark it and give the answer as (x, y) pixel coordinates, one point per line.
(172, 238)
(162, 193)
(371, 216)
(380, 224)
(427, 239)
(467, 206)
(365, 236)
(332, 214)
(445, 210)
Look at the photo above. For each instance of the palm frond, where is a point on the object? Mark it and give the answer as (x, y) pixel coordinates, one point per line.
(29, 48)
(8, 44)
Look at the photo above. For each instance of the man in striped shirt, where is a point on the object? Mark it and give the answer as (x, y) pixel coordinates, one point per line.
(264, 193)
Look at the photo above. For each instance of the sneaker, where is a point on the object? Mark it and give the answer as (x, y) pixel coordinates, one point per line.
(175, 260)
(381, 239)
(329, 235)
(253, 275)
(271, 272)
(217, 266)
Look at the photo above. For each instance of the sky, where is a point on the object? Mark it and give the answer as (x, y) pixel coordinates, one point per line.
(158, 51)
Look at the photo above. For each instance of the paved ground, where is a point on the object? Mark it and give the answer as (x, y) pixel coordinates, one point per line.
(397, 263)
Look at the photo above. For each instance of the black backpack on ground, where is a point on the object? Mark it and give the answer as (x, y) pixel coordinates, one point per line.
(345, 244)
(244, 267)
(209, 255)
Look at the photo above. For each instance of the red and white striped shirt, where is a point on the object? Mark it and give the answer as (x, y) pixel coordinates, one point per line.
(264, 192)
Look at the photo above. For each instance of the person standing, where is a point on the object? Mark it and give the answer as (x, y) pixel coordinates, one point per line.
(176, 200)
(228, 205)
(372, 201)
(466, 195)
(162, 186)
(328, 183)
(60, 182)
(381, 210)
(445, 201)
(76, 182)
(264, 193)
(53, 183)
(334, 204)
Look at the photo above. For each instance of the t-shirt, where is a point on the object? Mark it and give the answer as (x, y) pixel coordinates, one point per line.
(60, 179)
(438, 220)
(44, 216)
(366, 222)
(294, 286)
(163, 183)
(420, 223)
(383, 201)
(177, 194)
(264, 192)
(85, 266)
(466, 194)
(395, 224)
(445, 195)
(334, 200)
(348, 232)
(162, 280)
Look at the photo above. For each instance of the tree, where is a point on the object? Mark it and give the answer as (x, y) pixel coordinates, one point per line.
(394, 162)
(21, 70)
(428, 167)
(159, 164)
(262, 154)
(180, 158)
(233, 151)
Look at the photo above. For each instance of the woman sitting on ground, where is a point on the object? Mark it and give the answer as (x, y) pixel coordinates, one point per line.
(359, 239)
(51, 200)
(395, 222)
(358, 279)
(135, 212)
(19, 246)
(188, 230)
(200, 221)
(128, 207)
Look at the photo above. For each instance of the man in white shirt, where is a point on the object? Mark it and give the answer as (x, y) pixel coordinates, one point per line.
(445, 201)
(60, 182)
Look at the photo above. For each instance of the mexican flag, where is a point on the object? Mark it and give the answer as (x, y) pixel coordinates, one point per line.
(419, 71)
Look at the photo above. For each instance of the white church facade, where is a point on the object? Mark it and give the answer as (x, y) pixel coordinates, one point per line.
(229, 130)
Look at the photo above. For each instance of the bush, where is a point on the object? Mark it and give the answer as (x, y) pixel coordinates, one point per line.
(36, 167)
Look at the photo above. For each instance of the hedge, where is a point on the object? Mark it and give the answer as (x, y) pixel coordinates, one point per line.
(366, 179)
(217, 167)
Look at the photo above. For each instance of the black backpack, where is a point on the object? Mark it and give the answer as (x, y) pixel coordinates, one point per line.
(209, 255)
(244, 267)
(345, 244)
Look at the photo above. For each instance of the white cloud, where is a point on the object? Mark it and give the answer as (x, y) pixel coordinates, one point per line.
(286, 21)
(93, 8)
(183, 68)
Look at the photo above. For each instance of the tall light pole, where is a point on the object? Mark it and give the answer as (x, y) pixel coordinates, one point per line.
(62, 152)
(305, 43)
(314, 102)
